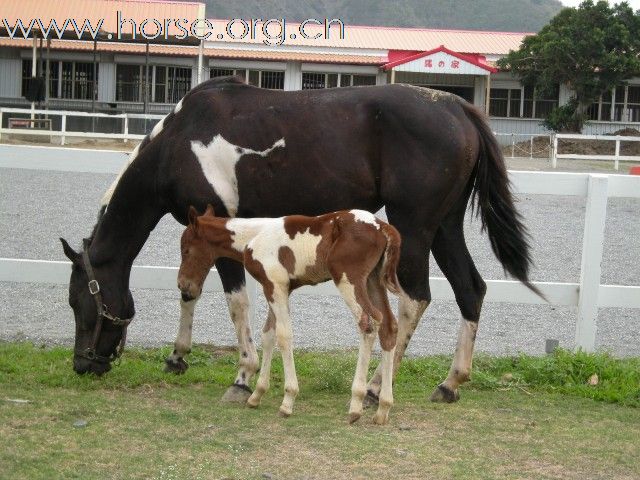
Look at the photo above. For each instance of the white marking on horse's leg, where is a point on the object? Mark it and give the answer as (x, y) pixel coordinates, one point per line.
(218, 161)
(183, 340)
(460, 370)
(359, 385)
(409, 314)
(238, 303)
(386, 391)
(268, 342)
(365, 217)
(280, 307)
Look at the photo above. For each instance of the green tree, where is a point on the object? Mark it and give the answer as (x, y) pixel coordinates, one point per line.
(591, 49)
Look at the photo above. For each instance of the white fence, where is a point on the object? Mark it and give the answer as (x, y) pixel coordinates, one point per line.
(616, 157)
(516, 149)
(588, 295)
(64, 132)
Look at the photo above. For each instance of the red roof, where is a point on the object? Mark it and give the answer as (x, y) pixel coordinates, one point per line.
(476, 60)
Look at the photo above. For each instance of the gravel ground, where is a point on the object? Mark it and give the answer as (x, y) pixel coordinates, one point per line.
(37, 207)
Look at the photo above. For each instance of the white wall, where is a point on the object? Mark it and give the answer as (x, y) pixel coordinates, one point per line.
(10, 77)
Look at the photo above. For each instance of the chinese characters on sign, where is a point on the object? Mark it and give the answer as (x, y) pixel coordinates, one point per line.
(428, 63)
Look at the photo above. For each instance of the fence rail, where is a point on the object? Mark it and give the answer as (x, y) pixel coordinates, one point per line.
(65, 132)
(588, 294)
(616, 157)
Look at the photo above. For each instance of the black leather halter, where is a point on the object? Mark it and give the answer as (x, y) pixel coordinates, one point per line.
(103, 313)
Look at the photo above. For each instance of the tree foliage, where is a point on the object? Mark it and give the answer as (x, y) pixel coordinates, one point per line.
(591, 49)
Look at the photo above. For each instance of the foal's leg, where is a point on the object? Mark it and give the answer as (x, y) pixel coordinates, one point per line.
(175, 362)
(388, 336)
(355, 295)
(233, 280)
(413, 273)
(268, 341)
(280, 307)
(450, 251)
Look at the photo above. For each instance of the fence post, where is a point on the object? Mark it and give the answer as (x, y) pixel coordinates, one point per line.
(531, 148)
(126, 127)
(595, 216)
(554, 151)
(513, 146)
(63, 128)
(617, 154)
(0, 123)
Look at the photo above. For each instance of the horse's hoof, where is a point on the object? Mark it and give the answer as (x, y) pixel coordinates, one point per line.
(284, 413)
(236, 394)
(380, 419)
(370, 400)
(354, 417)
(178, 366)
(443, 394)
(253, 402)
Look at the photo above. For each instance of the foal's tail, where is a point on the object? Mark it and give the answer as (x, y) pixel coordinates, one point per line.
(491, 198)
(391, 259)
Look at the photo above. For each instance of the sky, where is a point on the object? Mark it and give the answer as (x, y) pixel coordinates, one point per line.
(635, 4)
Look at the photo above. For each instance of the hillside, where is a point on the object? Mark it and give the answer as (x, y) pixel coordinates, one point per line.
(501, 15)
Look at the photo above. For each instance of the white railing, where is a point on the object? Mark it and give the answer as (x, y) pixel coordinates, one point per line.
(616, 157)
(516, 150)
(64, 132)
(588, 294)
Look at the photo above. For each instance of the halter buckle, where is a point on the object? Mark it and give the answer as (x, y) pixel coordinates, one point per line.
(94, 287)
(90, 354)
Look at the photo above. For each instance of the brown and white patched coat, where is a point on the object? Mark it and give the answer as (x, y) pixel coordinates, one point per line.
(353, 248)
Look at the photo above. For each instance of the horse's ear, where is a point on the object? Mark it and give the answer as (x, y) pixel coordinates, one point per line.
(70, 252)
(209, 211)
(193, 215)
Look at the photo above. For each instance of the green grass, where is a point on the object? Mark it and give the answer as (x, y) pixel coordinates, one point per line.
(520, 417)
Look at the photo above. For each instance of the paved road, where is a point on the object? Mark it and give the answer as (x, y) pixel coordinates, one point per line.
(37, 207)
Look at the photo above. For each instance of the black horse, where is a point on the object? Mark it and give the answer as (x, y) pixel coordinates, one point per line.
(259, 153)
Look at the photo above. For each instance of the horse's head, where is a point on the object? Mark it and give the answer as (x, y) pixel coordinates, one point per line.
(198, 256)
(102, 307)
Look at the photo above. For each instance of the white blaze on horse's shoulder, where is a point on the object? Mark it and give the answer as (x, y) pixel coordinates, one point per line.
(157, 128)
(106, 198)
(218, 161)
(365, 217)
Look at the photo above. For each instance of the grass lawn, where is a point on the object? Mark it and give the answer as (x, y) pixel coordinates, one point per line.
(522, 417)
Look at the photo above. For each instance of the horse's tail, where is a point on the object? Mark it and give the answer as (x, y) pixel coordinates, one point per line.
(491, 198)
(158, 127)
(391, 259)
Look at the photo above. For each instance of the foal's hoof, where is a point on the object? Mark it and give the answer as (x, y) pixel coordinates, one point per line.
(443, 394)
(370, 400)
(380, 418)
(236, 394)
(178, 366)
(284, 413)
(354, 417)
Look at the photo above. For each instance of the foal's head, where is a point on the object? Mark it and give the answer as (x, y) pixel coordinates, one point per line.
(198, 255)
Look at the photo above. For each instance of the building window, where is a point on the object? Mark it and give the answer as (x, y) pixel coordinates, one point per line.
(505, 102)
(178, 83)
(312, 81)
(348, 80)
(627, 103)
(167, 84)
(54, 72)
(601, 110)
(272, 79)
(129, 83)
(77, 80)
(536, 105)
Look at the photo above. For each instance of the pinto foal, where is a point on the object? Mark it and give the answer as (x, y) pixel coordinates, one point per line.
(355, 249)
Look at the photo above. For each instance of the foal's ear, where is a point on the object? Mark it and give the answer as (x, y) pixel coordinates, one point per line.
(193, 215)
(209, 211)
(70, 252)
